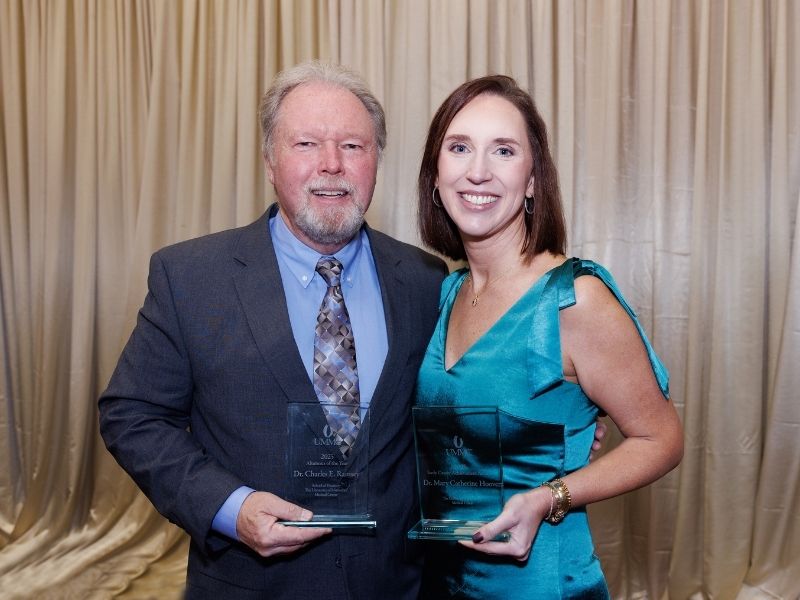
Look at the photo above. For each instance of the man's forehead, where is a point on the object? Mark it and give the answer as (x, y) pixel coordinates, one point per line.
(323, 96)
(320, 107)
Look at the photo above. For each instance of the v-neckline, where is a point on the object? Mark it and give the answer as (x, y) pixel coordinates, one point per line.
(446, 318)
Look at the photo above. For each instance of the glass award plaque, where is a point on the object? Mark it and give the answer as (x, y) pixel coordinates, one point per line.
(324, 474)
(459, 471)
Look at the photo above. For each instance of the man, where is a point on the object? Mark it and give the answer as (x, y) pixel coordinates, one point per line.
(196, 410)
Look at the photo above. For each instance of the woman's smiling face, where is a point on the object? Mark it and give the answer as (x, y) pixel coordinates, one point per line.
(485, 168)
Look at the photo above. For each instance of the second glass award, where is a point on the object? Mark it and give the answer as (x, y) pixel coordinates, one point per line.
(459, 470)
(326, 475)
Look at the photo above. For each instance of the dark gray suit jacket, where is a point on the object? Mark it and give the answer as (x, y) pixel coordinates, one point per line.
(197, 407)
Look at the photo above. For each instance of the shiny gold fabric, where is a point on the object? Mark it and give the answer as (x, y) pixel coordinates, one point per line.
(125, 126)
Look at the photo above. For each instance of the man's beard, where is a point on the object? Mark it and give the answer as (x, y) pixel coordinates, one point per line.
(331, 225)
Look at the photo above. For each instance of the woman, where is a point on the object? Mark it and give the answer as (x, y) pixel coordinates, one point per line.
(547, 338)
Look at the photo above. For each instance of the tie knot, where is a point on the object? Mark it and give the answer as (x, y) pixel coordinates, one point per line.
(330, 269)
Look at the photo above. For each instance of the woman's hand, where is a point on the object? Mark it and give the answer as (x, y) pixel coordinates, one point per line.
(521, 517)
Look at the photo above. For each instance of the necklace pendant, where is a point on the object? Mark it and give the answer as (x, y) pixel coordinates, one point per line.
(475, 302)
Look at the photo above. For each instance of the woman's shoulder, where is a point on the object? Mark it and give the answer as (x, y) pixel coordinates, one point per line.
(451, 283)
(594, 283)
(585, 280)
(567, 276)
(602, 316)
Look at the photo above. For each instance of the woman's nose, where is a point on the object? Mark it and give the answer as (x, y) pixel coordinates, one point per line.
(478, 170)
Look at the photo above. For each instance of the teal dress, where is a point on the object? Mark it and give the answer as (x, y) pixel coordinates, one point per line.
(546, 426)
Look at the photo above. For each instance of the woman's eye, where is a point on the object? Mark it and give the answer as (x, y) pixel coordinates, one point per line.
(458, 148)
(503, 151)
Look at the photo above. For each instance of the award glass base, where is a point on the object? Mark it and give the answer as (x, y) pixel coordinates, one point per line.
(336, 522)
(443, 529)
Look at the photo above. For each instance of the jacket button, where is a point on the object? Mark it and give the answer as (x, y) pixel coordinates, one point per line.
(338, 562)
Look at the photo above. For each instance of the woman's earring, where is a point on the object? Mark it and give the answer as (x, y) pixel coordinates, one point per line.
(433, 197)
(529, 204)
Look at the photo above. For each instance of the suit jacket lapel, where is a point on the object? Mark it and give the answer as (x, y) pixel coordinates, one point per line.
(261, 294)
(395, 290)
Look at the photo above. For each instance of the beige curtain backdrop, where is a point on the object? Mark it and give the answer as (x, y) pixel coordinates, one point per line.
(128, 125)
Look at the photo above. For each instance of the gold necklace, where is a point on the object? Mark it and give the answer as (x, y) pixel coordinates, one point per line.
(491, 282)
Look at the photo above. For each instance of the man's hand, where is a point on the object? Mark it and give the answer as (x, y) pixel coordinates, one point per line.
(257, 525)
(599, 434)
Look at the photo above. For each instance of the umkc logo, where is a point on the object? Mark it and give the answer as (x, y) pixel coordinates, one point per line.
(458, 447)
(327, 438)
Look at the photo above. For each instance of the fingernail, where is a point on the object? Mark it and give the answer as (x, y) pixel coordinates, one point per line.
(477, 537)
(305, 515)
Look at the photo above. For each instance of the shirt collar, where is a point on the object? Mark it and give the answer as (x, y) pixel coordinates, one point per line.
(302, 260)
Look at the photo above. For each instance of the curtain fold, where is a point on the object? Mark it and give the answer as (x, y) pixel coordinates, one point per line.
(127, 126)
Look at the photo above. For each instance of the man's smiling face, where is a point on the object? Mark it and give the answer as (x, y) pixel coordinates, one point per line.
(323, 164)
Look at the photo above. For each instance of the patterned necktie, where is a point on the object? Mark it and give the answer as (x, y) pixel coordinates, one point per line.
(335, 371)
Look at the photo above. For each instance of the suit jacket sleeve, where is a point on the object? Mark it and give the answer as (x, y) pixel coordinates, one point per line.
(145, 413)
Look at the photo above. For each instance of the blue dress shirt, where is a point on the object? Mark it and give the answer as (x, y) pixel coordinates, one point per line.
(304, 289)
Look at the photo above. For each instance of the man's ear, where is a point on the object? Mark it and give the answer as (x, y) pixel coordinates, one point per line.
(270, 171)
